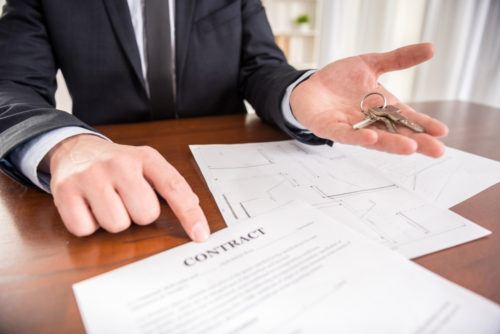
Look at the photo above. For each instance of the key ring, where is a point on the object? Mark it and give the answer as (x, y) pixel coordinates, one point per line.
(372, 93)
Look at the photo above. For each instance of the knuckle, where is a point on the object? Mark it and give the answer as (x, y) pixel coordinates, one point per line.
(124, 168)
(92, 175)
(194, 200)
(149, 215)
(58, 201)
(148, 151)
(188, 206)
(116, 220)
(94, 186)
(177, 184)
(82, 230)
(121, 163)
(189, 213)
(118, 226)
(61, 190)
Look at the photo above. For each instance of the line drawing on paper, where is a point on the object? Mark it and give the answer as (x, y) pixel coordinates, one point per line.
(248, 180)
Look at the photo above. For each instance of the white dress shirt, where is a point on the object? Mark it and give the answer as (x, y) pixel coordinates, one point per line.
(27, 157)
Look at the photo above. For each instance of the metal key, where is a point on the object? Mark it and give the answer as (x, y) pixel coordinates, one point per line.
(388, 114)
(394, 114)
(373, 115)
(380, 116)
(367, 121)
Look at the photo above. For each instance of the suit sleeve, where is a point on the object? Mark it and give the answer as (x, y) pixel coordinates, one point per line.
(27, 81)
(265, 74)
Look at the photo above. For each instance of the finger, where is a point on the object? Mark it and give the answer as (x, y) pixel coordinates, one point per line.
(345, 134)
(178, 194)
(108, 208)
(324, 126)
(393, 143)
(428, 145)
(401, 58)
(75, 214)
(432, 126)
(139, 198)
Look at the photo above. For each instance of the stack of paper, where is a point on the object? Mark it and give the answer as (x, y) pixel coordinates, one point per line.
(446, 181)
(305, 249)
(294, 270)
(247, 180)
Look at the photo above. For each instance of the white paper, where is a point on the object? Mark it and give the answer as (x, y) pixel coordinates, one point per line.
(446, 181)
(248, 180)
(294, 270)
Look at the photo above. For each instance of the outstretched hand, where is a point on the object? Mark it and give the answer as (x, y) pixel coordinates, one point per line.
(328, 103)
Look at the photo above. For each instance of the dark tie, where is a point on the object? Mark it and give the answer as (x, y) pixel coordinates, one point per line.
(159, 57)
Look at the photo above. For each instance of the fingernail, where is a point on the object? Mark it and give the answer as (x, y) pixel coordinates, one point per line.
(200, 232)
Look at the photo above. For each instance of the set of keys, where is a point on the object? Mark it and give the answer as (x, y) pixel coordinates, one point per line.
(388, 114)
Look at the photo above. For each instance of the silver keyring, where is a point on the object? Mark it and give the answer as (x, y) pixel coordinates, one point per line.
(372, 93)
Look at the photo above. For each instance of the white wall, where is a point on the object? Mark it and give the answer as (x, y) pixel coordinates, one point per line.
(466, 65)
(352, 27)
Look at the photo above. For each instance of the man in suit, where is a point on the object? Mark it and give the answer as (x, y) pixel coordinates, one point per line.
(124, 61)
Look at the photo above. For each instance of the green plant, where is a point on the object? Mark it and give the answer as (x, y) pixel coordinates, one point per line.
(301, 19)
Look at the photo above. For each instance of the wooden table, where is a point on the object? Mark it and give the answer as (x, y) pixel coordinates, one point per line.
(40, 260)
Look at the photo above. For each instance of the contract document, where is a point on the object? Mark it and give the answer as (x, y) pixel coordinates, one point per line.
(294, 270)
(248, 180)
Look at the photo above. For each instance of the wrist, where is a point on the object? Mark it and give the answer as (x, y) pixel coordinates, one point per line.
(297, 100)
(65, 148)
(286, 107)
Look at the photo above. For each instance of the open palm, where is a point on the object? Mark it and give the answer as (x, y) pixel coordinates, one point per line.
(328, 103)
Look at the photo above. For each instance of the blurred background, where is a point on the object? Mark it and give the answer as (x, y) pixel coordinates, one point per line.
(465, 33)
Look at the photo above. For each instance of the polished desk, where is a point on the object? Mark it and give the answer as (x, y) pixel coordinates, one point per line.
(40, 260)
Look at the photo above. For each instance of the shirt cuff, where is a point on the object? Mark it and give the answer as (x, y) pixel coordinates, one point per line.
(286, 110)
(27, 157)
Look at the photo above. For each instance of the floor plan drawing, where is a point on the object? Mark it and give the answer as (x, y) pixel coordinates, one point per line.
(248, 180)
(447, 181)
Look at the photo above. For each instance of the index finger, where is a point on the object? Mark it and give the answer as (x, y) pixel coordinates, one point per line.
(170, 184)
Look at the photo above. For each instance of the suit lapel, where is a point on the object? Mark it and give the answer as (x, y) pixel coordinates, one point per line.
(119, 15)
(184, 11)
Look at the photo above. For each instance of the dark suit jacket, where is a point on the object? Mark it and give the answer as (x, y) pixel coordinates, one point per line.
(225, 52)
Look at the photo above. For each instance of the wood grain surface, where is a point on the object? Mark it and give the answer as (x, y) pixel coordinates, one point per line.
(40, 260)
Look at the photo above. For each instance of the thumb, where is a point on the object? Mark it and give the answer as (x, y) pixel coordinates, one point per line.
(399, 59)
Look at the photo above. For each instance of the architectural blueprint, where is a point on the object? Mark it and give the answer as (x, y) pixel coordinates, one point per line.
(248, 180)
(447, 181)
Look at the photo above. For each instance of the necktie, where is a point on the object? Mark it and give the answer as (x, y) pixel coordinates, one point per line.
(159, 57)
